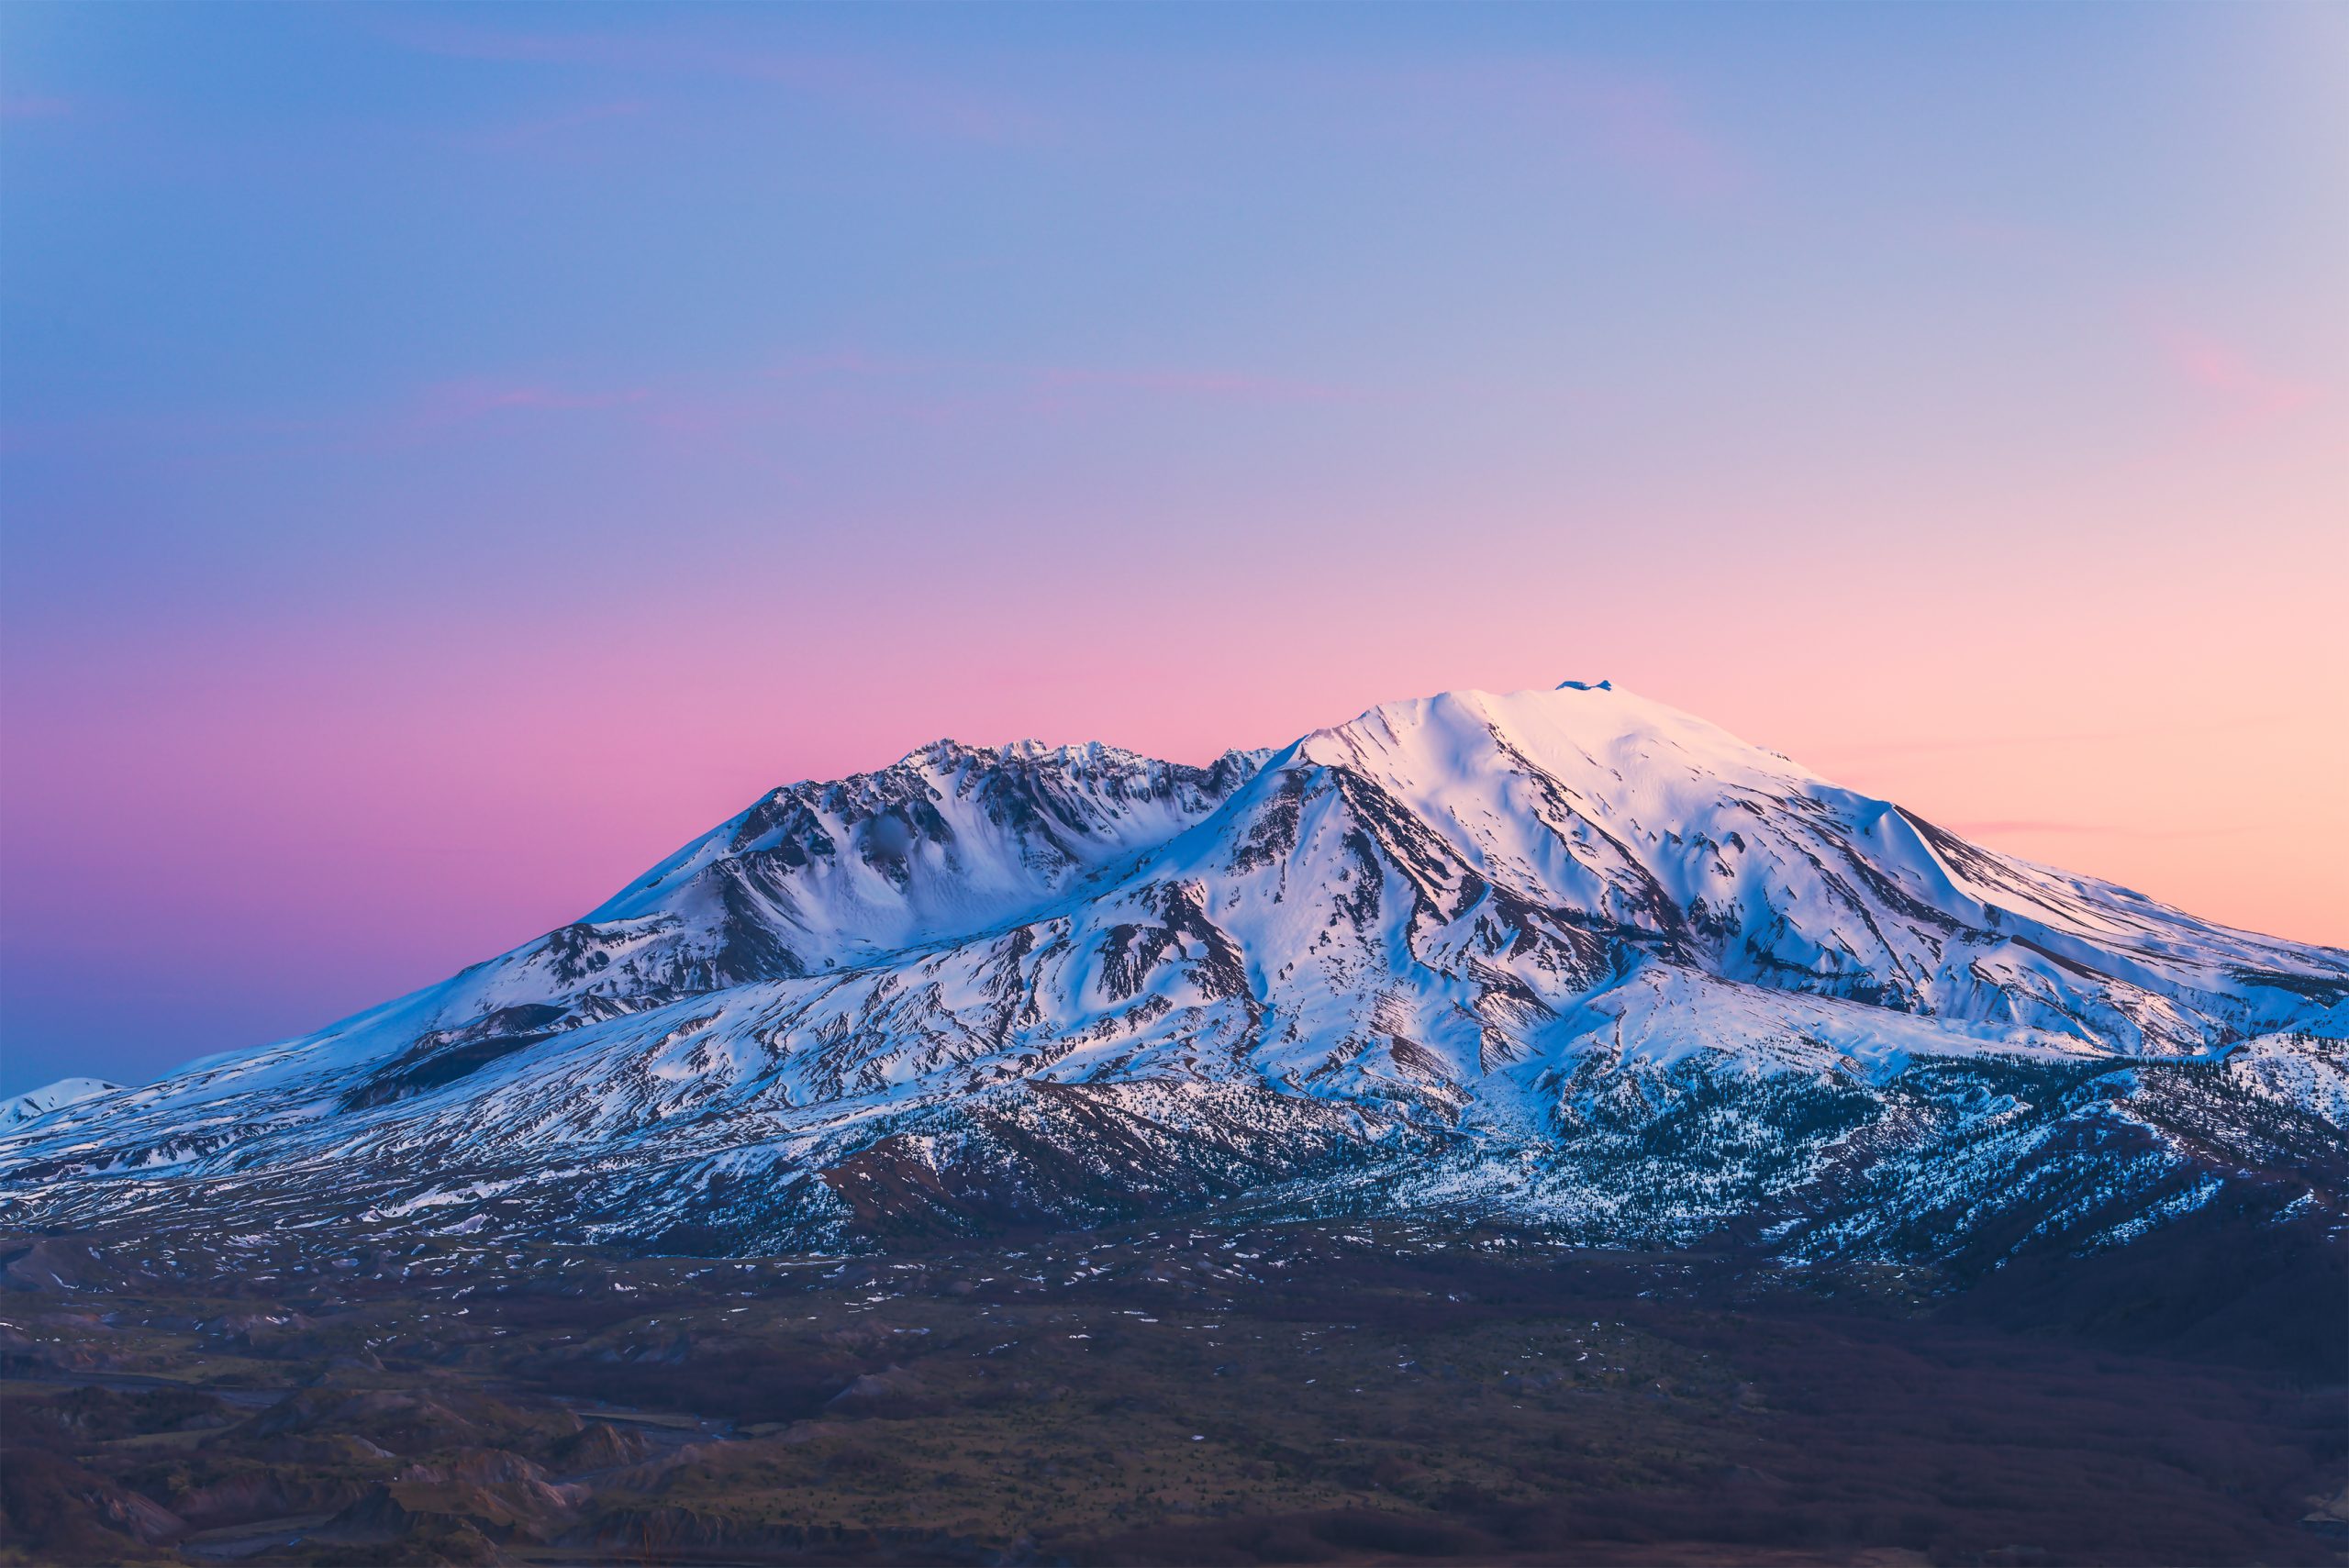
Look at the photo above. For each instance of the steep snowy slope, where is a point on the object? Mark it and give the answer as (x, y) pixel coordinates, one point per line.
(1472, 949)
(51, 1096)
(813, 878)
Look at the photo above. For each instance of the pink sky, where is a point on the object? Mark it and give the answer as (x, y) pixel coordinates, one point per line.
(450, 466)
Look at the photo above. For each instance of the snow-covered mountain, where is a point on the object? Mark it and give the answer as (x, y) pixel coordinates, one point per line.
(1569, 954)
(51, 1096)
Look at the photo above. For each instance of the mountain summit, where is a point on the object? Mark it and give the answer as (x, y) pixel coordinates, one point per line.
(1569, 954)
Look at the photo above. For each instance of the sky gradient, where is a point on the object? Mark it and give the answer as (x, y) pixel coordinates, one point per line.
(449, 457)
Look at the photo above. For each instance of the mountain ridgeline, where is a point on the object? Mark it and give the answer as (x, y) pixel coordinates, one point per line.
(1569, 957)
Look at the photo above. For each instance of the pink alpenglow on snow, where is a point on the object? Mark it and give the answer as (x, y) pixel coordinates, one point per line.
(425, 496)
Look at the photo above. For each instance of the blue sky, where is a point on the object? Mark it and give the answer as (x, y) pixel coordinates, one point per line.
(454, 454)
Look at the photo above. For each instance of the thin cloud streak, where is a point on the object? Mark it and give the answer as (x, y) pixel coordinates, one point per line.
(2243, 392)
(1642, 126)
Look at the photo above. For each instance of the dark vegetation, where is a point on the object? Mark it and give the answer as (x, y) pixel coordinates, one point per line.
(1338, 1392)
(443, 1056)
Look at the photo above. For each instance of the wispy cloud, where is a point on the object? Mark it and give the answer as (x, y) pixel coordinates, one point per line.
(1648, 127)
(1644, 127)
(2239, 389)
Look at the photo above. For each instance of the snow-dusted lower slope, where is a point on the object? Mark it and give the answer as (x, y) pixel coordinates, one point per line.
(39, 1102)
(1482, 949)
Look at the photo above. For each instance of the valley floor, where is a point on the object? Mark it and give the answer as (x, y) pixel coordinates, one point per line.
(1334, 1391)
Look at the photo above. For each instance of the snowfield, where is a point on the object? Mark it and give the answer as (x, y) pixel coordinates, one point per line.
(1569, 954)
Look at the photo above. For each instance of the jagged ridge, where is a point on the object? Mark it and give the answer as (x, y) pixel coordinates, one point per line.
(1470, 929)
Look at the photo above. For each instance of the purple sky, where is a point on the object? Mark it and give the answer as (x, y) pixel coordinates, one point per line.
(451, 456)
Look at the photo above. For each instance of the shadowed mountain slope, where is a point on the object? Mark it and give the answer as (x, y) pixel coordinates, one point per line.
(1569, 954)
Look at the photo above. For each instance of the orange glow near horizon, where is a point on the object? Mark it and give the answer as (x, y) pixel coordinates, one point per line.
(432, 499)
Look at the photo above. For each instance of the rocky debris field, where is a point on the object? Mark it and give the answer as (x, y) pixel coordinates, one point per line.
(1361, 1391)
